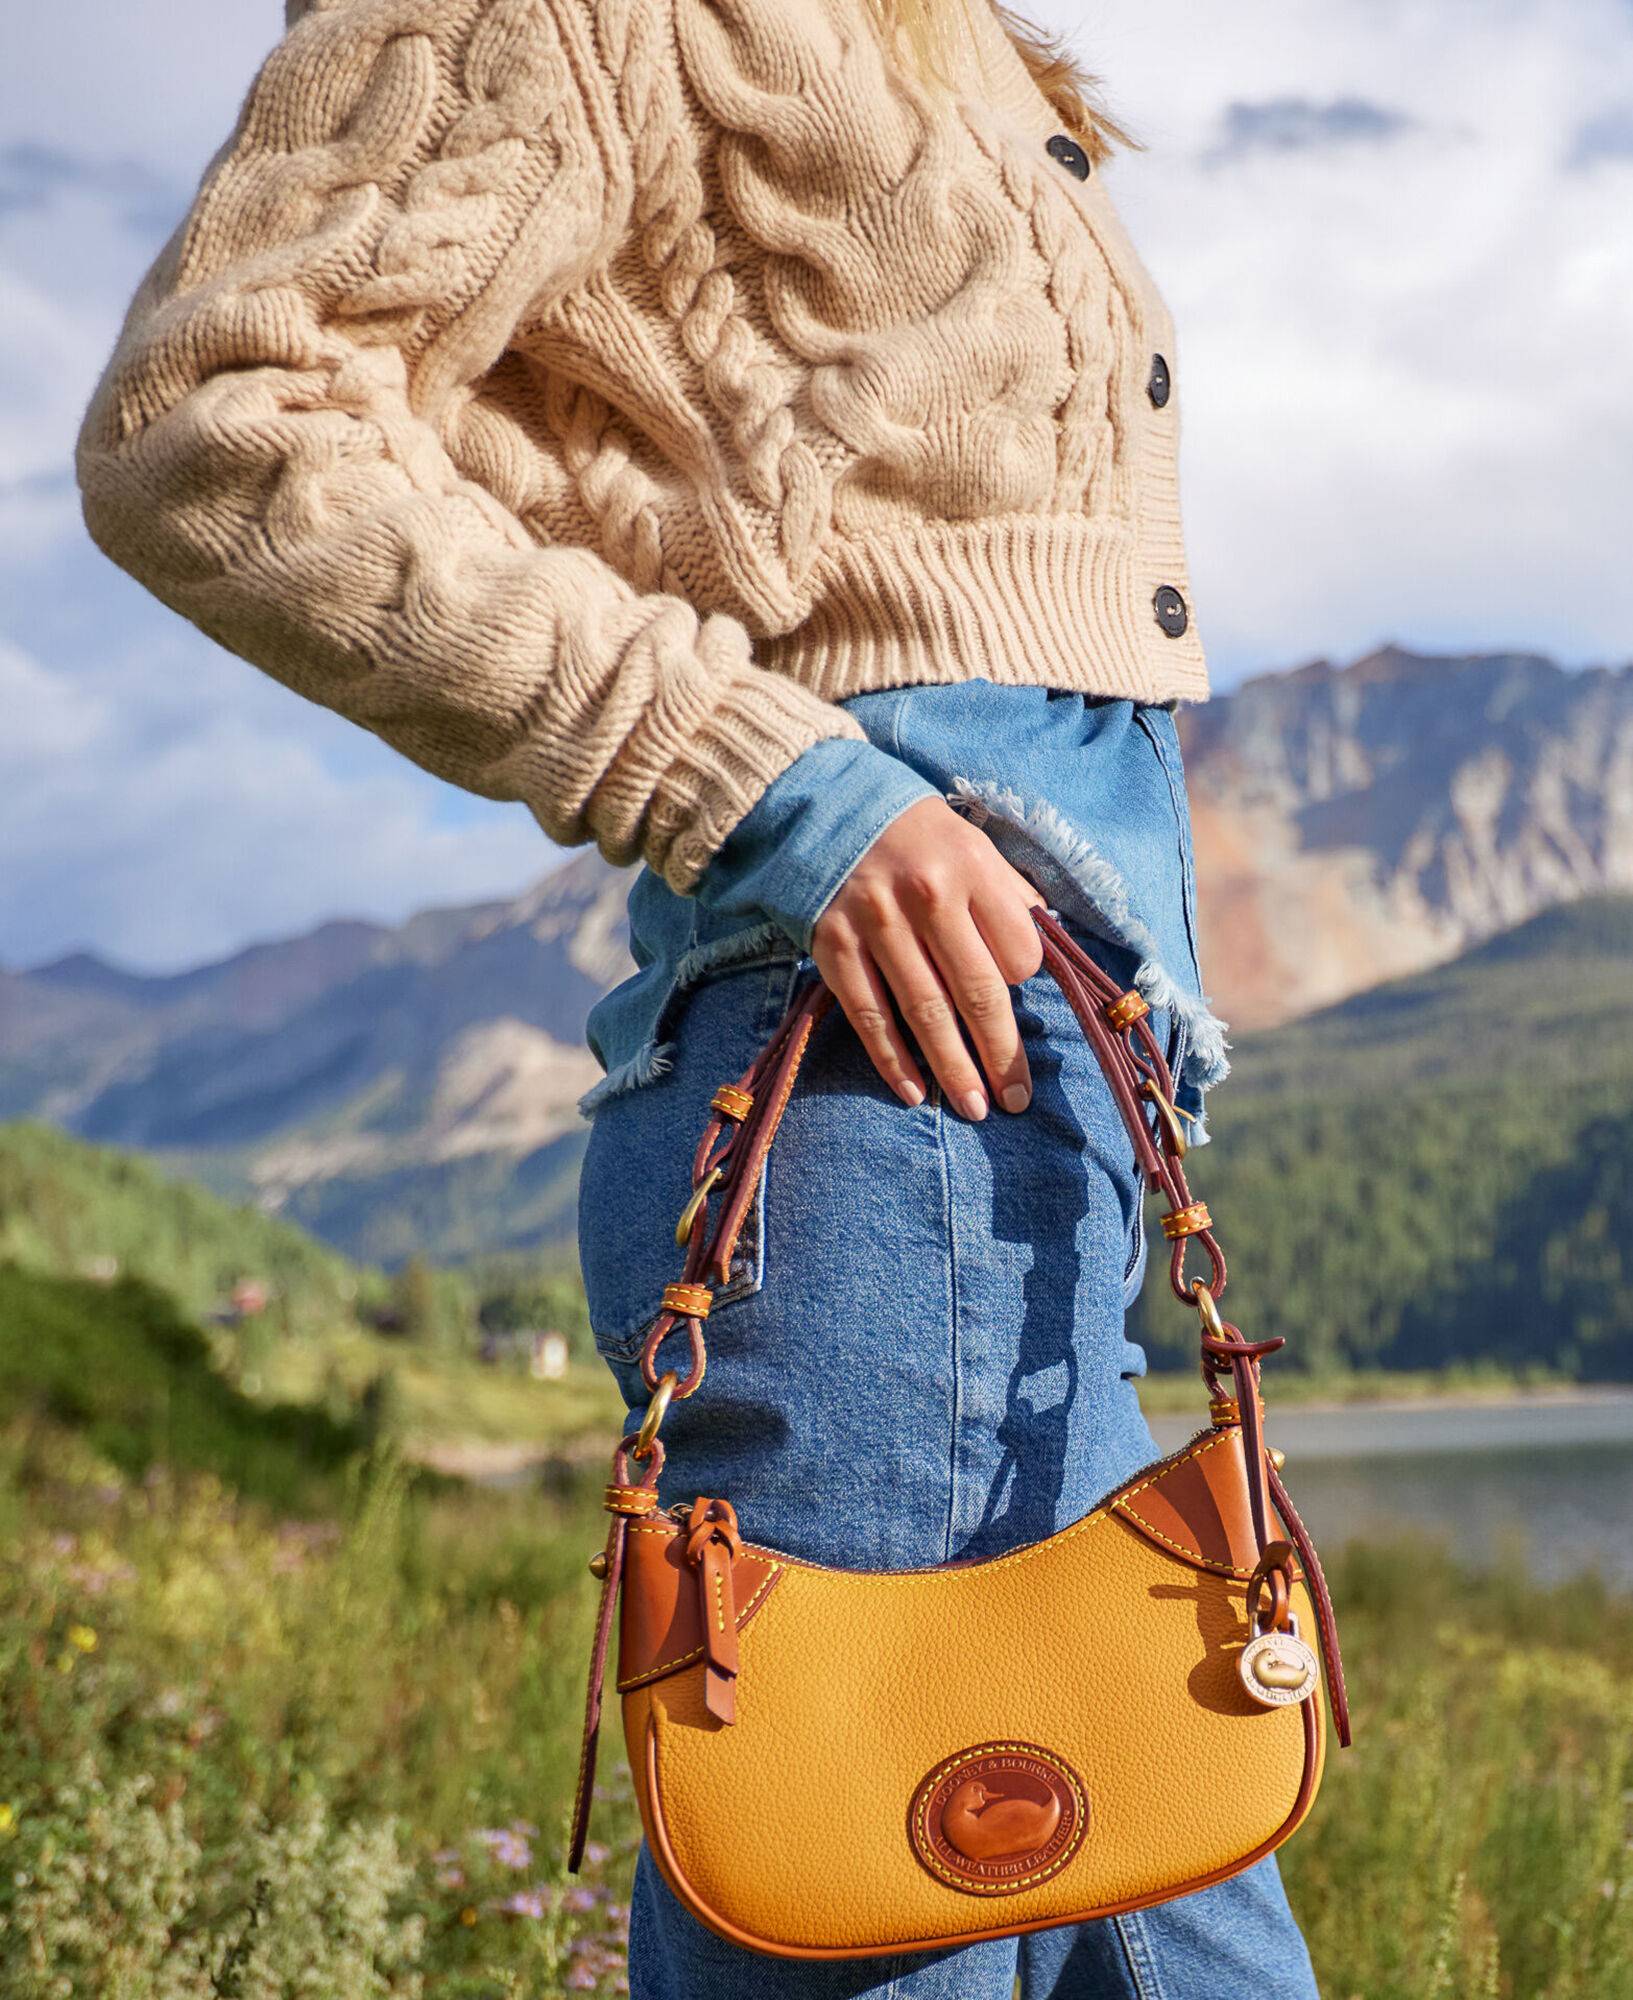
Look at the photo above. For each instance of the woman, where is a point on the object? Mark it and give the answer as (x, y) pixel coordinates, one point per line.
(741, 431)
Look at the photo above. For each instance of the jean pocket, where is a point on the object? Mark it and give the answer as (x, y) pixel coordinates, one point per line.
(636, 1176)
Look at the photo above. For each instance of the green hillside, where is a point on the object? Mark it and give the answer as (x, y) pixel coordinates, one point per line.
(102, 1251)
(76, 1209)
(121, 1368)
(1439, 1170)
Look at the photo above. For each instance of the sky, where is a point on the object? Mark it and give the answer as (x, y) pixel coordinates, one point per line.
(1397, 236)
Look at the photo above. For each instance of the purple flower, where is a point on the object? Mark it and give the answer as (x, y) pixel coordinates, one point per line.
(583, 1978)
(509, 1849)
(450, 1878)
(594, 1853)
(524, 1903)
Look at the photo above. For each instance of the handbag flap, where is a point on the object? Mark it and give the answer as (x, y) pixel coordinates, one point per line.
(661, 1630)
(1195, 1505)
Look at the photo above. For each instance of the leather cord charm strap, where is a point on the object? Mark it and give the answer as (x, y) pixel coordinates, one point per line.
(635, 1498)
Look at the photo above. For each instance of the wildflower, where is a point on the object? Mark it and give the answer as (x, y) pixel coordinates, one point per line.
(595, 1853)
(450, 1878)
(445, 1857)
(8, 1821)
(467, 1916)
(582, 1977)
(82, 1638)
(96, 1578)
(581, 1899)
(64, 1544)
(507, 1847)
(524, 1903)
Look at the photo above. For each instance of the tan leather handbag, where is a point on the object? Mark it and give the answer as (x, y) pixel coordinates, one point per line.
(835, 1763)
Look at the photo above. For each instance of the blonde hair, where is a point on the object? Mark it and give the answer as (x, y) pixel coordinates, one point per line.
(920, 27)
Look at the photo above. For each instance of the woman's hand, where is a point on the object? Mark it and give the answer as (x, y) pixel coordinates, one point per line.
(934, 917)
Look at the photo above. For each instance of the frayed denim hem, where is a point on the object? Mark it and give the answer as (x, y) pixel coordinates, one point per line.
(759, 945)
(1080, 882)
(651, 1060)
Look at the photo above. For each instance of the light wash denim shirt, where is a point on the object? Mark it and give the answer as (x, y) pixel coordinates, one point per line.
(1085, 795)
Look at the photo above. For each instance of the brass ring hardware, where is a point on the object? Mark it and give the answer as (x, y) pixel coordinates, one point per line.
(1208, 1307)
(656, 1410)
(689, 1214)
(1168, 1116)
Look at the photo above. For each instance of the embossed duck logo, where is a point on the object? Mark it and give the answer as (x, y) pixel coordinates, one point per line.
(1281, 1670)
(985, 1825)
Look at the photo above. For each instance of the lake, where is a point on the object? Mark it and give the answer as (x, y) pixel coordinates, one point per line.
(1554, 1476)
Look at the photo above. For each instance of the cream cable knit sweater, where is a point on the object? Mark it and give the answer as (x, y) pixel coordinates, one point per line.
(585, 394)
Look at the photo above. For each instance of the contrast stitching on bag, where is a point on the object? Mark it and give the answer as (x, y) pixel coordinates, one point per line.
(1050, 1542)
(682, 1659)
(927, 1788)
(1224, 1569)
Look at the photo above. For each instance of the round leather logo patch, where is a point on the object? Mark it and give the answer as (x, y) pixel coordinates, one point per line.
(998, 1818)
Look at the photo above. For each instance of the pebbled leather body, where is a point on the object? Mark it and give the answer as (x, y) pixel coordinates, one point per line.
(1112, 1644)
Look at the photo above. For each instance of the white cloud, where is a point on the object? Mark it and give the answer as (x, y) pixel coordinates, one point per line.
(1403, 354)
(1395, 236)
(169, 803)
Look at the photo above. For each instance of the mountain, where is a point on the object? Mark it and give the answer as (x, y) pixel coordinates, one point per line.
(1357, 823)
(1438, 1170)
(407, 1087)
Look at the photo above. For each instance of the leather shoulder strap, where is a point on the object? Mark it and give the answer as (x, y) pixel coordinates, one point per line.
(744, 1119)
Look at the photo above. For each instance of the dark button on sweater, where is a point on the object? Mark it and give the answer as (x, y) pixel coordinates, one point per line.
(1161, 385)
(1170, 609)
(1070, 154)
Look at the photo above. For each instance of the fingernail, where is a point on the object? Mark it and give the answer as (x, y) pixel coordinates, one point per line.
(974, 1105)
(1017, 1097)
(909, 1093)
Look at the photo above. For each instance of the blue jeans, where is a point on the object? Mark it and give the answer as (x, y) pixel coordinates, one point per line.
(920, 1356)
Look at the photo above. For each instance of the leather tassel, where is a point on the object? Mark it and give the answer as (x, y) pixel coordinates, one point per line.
(712, 1545)
(612, 1575)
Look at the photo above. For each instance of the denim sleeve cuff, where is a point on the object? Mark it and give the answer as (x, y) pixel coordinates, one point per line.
(786, 858)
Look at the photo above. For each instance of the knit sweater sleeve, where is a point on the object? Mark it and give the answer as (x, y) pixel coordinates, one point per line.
(269, 448)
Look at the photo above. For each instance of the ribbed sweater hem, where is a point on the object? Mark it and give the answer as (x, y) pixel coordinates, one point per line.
(1022, 599)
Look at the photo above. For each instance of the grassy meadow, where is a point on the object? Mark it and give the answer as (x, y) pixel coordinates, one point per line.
(283, 1711)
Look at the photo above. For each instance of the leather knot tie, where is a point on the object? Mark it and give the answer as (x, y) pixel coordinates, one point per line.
(711, 1520)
